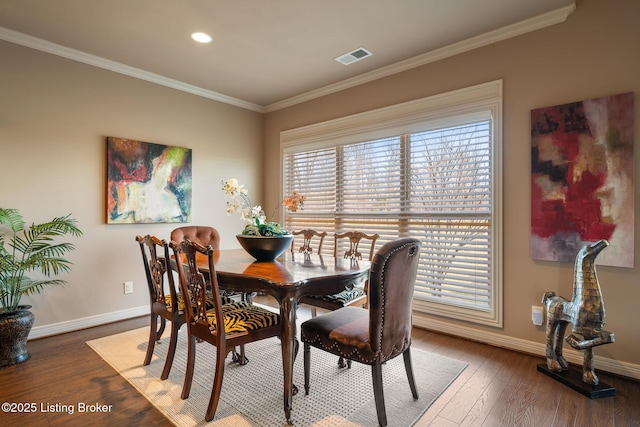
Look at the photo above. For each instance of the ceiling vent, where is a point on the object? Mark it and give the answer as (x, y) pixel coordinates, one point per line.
(351, 57)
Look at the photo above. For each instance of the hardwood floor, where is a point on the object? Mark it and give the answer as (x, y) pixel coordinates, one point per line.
(498, 388)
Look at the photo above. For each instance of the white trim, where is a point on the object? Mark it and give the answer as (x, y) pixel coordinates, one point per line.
(625, 369)
(629, 370)
(96, 61)
(533, 24)
(482, 101)
(395, 118)
(87, 322)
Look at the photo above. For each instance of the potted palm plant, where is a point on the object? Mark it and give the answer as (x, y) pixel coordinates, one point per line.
(29, 260)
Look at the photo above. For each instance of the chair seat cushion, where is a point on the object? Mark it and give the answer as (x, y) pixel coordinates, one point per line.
(341, 299)
(167, 298)
(242, 317)
(343, 332)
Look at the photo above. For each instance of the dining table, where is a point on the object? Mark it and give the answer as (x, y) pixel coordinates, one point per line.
(287, 278)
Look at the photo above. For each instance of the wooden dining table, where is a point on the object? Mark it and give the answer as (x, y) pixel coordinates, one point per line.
(287, 278)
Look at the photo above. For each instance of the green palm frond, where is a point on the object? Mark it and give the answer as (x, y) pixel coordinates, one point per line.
(31, 250)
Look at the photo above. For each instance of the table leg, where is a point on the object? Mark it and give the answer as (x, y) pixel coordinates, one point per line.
(288, 318)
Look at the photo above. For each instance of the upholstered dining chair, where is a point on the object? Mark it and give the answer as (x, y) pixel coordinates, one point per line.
(202, 234)
(307, 236)
(355, 296)
(224, 326)
(206, 236)
(164, 307)
(382, 332)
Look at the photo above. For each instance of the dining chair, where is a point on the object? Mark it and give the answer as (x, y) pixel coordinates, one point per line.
(224, 326)
(378, 334)
(203, 234)
(308, 235)
(206, 236)
(163, 307)
(355, 296)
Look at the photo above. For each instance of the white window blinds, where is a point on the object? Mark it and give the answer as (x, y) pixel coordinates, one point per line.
(436, 184)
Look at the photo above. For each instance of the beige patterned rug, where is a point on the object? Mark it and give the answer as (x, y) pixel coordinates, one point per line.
(252, 394)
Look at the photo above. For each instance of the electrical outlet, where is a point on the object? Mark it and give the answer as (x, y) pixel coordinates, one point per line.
(128, 287)
(536, 315)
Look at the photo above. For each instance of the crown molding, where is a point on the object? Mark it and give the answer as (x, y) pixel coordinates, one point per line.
(96, 61)
(538, 22)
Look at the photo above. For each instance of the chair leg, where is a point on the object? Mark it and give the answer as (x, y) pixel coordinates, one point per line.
(221, 355)
(307, 367)
(409, 368)
(153, 334)
(378, 394)
(342, 363)
(239, 358)
(173, 341)
(191, 358)
(163, 323)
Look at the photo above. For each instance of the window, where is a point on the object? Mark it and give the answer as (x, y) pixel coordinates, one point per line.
(429, 169)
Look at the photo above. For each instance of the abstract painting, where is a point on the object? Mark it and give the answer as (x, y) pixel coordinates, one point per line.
(147, 183)
(582, 179)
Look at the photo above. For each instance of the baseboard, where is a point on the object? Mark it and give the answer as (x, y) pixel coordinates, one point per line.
(87, 322)
(602, 363)
(625, 369)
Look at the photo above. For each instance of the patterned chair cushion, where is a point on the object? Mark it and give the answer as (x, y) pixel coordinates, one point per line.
(225, 300)
(243, 318)
(343, 298)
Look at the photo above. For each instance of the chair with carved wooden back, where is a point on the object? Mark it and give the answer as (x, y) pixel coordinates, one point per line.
(224, 326)
(355, 296)
(307, 236)
(206, 236)
(378, 334)
(164, 307)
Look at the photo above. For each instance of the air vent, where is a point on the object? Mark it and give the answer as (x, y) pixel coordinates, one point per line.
(354, 56)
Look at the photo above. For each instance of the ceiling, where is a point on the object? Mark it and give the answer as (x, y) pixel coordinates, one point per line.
(267, 54)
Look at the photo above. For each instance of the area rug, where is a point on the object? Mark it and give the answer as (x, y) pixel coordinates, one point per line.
(252, 394)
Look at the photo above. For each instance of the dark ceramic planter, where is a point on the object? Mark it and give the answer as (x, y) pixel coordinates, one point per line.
(265, 248)
(14, 331)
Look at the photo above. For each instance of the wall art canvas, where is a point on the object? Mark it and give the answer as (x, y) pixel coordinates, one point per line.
(582, 179)
(147, 182)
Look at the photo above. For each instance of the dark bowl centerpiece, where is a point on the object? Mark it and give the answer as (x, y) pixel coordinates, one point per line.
(264, 240)
(265, 248)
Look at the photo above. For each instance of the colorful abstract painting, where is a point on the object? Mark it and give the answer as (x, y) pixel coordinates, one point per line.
(147, 183)
(582, 179)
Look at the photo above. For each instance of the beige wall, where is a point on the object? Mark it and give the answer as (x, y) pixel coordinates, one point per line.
(54, 117)
(56, 113)
(594, 53)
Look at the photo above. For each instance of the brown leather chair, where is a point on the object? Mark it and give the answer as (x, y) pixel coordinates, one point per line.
(155, 252)
(205, 236)
(242, 323)
(307, 236)
(202, 234)
(382, 332)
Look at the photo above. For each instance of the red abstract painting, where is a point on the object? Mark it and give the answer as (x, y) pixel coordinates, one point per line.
(582, 179)
(147, 183)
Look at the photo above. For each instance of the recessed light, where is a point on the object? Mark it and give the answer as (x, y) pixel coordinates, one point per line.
(201, 37)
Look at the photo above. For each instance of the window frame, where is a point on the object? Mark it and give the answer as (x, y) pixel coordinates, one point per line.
(477, 102)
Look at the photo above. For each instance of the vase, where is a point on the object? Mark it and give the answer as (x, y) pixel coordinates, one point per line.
(14, 331)
(265, 248)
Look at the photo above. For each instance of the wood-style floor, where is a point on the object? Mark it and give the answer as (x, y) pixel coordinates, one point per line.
(498, 388)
